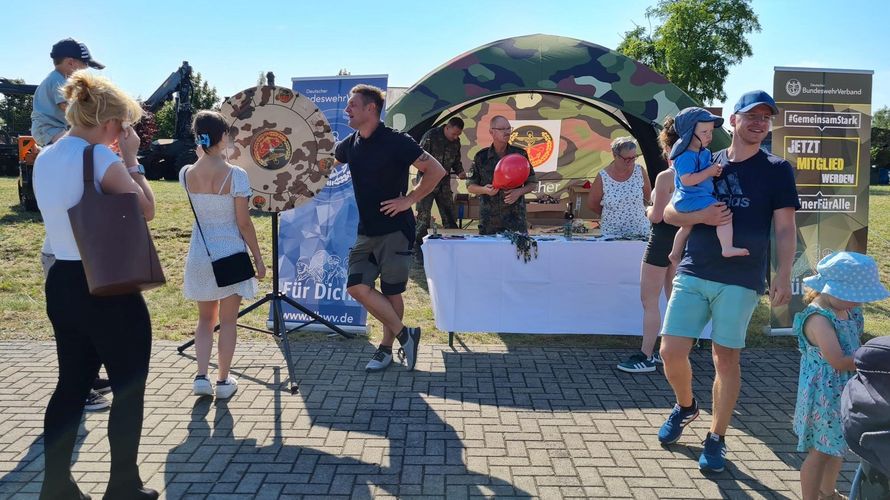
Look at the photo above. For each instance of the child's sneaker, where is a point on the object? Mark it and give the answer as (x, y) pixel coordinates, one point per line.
(202, 387)
(679, 418)
(96, 402)
(713, 454)
(226, 388)
(102, 385)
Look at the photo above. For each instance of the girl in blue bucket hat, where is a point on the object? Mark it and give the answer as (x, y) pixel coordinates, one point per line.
(828, 333)
(694, 179)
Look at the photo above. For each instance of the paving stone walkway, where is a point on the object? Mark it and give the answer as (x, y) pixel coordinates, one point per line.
(491, 421)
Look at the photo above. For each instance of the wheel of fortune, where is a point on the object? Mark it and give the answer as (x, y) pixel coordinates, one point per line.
(283, 142)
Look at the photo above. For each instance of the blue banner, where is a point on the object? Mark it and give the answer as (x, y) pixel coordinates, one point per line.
(314, 239)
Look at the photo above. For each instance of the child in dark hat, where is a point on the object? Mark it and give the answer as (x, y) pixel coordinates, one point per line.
(694, 179)
(48, 116)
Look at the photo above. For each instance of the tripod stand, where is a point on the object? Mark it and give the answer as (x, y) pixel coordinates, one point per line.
(279, 328)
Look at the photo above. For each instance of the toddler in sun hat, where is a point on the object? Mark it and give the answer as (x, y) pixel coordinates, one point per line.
(828, 333)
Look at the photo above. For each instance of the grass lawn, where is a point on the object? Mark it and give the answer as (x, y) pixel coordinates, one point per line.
(23, 308)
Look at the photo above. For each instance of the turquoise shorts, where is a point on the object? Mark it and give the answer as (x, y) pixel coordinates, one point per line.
(694, 301)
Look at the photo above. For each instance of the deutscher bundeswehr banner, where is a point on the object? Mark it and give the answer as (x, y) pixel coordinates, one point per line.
(824, 130)
(315, 238)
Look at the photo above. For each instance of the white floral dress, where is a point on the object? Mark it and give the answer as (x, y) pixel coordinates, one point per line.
(624, 214)
(217, 215)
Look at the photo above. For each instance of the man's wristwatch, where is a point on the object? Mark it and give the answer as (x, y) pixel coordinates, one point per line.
(138, 169)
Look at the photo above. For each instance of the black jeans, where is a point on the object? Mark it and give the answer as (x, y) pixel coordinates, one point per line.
(89, 331)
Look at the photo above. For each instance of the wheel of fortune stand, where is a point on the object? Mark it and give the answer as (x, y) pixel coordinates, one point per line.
(283, 142)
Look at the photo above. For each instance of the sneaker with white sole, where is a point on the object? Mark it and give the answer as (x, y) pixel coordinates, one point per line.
(102, 385)
(380, 360)
(713, 454)
(656, 358)
(227, 388)
(202, 387)
(638, 363)
(96, 402)
(410, 340)
(679, 418)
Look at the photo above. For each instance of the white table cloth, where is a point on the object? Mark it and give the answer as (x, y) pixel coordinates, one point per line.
(579, 286)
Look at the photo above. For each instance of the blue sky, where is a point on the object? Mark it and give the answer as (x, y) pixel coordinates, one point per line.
(230, 43)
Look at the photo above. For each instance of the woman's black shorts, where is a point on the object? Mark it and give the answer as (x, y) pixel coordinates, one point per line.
(661, 239)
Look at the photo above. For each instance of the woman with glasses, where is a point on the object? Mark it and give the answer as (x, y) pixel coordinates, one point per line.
(656, 270)
(621, 192)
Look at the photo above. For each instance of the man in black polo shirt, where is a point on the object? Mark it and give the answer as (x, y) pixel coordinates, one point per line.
(379, 159)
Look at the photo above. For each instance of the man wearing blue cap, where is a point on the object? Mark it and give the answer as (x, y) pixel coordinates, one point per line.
(756, 190)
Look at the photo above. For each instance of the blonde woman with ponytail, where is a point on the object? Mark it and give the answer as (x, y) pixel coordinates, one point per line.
(89, 331)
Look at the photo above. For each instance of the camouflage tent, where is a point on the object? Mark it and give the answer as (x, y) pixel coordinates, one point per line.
(567, 141)
(591, 74)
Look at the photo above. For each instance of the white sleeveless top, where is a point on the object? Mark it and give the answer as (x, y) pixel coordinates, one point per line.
(624, 214)
(220, 226)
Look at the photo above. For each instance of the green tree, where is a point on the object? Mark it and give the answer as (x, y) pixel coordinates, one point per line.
(881, 118)
(880, 138)
(15, 111)
(695, 44)
(203, 97)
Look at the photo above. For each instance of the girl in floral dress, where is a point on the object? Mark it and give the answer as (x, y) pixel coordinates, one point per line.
(828, 333)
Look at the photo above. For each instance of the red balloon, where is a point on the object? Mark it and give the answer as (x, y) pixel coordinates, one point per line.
(511, 171)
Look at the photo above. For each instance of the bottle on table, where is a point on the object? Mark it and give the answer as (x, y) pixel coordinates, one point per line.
(569, 216)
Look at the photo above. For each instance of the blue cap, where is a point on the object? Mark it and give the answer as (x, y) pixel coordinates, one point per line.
(754, 98)
(684, 124)
(848, 276)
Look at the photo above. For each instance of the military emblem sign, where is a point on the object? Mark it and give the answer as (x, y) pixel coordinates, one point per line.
(537, 142)
(540, 140)
(283, 142)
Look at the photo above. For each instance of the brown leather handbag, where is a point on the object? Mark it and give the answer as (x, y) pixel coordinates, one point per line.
(115, 245)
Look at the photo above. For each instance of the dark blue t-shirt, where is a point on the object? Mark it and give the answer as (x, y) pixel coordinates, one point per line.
(379, 166)
(752, 189)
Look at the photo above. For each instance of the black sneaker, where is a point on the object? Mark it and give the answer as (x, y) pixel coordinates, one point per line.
(379, 361)
(102, 386)
(410, 340)
(96, 402)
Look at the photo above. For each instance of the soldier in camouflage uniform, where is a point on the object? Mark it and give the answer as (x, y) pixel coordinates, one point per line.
(443, 143)
(499, 209)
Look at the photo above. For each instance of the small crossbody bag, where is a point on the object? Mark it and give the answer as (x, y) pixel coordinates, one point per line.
(228, 270)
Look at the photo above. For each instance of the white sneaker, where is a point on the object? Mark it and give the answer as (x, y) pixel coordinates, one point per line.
(202, 387)
(225, 390)
(410, 343)
(379, 361)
